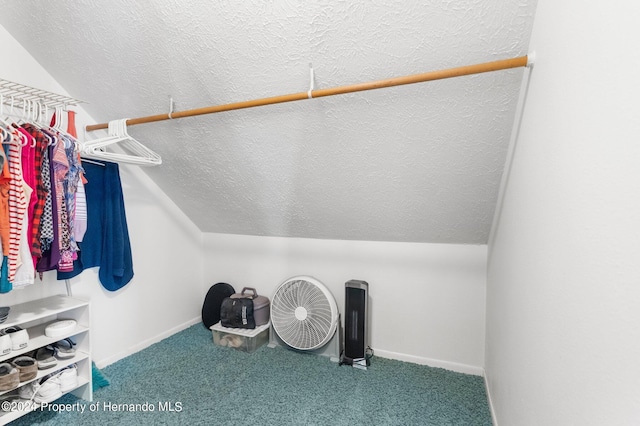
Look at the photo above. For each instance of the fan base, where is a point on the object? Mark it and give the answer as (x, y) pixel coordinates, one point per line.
(333, 348)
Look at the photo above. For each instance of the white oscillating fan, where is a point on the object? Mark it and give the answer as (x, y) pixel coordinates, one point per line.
(305, 315)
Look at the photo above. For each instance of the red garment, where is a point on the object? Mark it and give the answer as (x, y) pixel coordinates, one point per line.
(5, 178)
(40, 193)
(71, 124)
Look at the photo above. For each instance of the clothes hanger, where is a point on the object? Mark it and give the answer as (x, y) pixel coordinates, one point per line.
(24, 113)
(15, 137)
(59, 126)
(24, 118)
(44, 127)
(118, 137)
(77, 149)
(5, 133)
(86, 160)
(31, 118)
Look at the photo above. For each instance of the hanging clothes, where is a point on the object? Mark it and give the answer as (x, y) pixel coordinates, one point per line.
(25, 274)
(80, 223)
(28, 161)
(71, 182)
(51, 216)
(116, 267)
(51, 252)
(60, 171)
(42, 142)
(17, 207)
(80, 217)
(5, 178)
(46, 220)
(106, 241)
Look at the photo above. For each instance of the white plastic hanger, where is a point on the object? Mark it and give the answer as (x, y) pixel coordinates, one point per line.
(59, 125)
(15, 138)
(19, 137)
(31, 118)
(60, 122)
(4, 133)
(118, 137)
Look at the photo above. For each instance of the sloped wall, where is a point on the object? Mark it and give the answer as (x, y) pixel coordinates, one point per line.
(563, 290)
(164, 295)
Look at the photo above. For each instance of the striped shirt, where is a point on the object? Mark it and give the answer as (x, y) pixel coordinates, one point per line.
(17, 206)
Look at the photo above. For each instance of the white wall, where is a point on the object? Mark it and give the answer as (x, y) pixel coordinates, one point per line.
(164, 295)
(427, 300)
(563, 291)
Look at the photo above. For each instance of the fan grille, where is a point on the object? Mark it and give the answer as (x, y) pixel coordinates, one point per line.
(303, 313)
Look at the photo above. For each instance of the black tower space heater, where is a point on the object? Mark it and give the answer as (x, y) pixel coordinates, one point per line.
(356, 341)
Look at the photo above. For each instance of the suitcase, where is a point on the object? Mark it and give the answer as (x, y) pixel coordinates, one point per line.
(261, 306)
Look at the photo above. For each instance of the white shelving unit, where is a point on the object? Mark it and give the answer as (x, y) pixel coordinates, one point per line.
(34, 316)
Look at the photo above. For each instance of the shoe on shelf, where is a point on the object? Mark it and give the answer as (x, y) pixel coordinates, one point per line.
(27, 367)
(9, 377)
(5, 344)
(68, 378)
(44, 390)
(64, 349)
(4, 313)
(45, 357)
(19, 337)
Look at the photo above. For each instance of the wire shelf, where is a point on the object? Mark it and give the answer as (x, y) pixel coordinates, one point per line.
(12, 92)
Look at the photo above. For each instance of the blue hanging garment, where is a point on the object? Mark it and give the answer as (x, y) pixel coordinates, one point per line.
(106, 242)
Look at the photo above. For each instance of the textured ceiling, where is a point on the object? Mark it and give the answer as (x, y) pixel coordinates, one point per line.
(418, 163)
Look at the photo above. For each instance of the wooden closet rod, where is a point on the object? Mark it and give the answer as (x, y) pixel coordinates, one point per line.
(520, 61)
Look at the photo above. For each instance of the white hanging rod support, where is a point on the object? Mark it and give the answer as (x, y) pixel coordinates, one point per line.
(13, 92)
(504, 64)
(171, 106)
(311, 82)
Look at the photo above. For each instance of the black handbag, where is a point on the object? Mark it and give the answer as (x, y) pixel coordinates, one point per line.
(237, 313)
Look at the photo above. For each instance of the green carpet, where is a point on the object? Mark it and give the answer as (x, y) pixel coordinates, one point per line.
(190, 381)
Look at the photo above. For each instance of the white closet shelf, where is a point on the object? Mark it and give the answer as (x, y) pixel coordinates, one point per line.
(19, 92)
(41, 308)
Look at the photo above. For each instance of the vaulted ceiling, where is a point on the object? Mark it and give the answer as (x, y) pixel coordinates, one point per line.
(415, 163)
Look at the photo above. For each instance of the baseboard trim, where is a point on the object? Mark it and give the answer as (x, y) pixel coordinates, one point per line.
(436, 363)
(146, 343)
(494, 419)
(447, 365)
